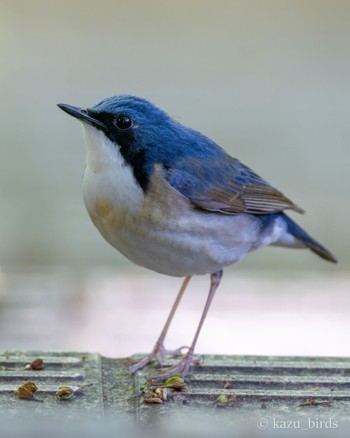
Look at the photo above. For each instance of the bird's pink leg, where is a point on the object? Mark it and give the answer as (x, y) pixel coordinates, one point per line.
(159, 350)
(183, 366)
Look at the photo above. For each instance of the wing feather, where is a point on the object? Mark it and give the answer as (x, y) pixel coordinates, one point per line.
(223, 184)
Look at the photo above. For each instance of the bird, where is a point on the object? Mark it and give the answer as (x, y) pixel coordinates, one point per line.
(171, 200)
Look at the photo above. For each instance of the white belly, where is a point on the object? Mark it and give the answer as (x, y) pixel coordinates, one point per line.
(160, 232)
(188, 245)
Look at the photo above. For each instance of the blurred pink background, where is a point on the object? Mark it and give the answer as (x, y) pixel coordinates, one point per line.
(121, 314)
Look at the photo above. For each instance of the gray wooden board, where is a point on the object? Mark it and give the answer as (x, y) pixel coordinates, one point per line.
(265, 388)
(61, 369)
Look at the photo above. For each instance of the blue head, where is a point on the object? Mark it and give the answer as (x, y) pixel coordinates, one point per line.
(144, 134)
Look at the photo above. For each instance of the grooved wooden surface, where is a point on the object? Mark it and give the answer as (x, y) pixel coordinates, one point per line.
(276, 386)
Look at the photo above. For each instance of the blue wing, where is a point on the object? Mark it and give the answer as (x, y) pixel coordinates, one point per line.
(223, 184)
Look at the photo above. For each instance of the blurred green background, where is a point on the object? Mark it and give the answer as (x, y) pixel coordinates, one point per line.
(268, 80)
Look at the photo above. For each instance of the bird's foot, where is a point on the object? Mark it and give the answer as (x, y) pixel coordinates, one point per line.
(158, 352)
(181, 368)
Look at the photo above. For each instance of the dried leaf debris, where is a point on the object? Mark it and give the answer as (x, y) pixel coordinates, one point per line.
(36, 364)
(313, 402)
(26, 391)
(160, 392)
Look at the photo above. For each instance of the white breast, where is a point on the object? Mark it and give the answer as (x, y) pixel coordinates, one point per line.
(107, 178)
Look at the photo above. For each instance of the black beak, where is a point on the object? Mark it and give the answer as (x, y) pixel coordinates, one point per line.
(82, 115)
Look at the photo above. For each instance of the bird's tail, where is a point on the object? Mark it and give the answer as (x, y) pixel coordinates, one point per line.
(294, 229)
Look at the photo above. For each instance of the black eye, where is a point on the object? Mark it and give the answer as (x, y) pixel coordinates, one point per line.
(123, 122)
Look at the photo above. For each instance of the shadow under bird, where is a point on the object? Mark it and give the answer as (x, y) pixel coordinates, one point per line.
(170, 199)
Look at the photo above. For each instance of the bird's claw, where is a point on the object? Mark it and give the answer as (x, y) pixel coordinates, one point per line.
(162, 351)
(181, 368)
(158, 352)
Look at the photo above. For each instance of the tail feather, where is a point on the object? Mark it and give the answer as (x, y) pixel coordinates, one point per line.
(299, 233)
